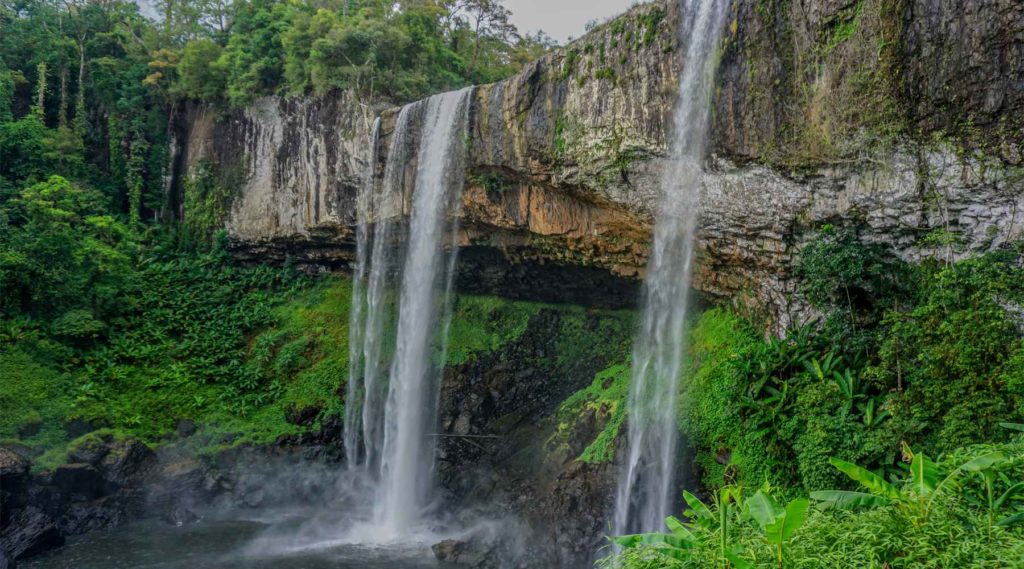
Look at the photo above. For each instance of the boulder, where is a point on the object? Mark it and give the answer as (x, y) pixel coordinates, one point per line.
(79, 481)
(13, 468)
(301, 416)
(91, 451)
(128, 463)
(84, 517)
(29, 533)
(185, 428)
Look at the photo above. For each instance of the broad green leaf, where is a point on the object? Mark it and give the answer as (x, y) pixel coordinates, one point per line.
(983, 462)
(699, 508)
(924, 474)
(637, 540)
(977, 464)
(1010, 494)
(873, 482)
(1013, 426)
(666, 544)
(1011, 520)
(844, 500)
(679, 529)
(763, 509)
(793, 518)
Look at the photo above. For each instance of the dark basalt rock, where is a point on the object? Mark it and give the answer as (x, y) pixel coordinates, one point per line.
(102, 487)
(90, 452)
(301, 416)
(128, 463)
(13, 468)
(30, 532)
(179, 515)
(185, 428)
(108, 512)
(79, 481)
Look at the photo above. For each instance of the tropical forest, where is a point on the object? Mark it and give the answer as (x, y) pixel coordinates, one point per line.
(411, 284)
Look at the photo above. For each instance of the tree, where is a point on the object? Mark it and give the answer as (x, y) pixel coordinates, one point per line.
(199, 73)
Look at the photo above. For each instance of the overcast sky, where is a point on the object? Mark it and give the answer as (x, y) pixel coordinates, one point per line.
(562, 18)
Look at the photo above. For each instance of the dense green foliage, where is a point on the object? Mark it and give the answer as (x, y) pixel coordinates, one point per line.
(87, 88)
(927, 357)
(935, 362)
(964, 511)
(115, 315)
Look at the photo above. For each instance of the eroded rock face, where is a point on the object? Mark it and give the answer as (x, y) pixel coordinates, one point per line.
(825, 112)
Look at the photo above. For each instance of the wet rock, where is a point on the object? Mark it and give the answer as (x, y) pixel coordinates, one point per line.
(178, 515)
(90, 451)
(5, 562)
(254, 498)
(29, 533)
(301, 416)
(108, 512)
(13, 467)
(128, 463)
(79, 481)
(185, 428)
(458, 552)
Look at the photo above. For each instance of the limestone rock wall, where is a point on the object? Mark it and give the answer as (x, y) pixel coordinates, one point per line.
(904, 117)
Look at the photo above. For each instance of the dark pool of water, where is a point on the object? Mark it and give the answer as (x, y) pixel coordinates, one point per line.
(225, 545)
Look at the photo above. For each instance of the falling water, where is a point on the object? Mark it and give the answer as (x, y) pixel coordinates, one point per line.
(378, 206)
(643, 498)
(407, 468)
(354, 395)
(387, 211)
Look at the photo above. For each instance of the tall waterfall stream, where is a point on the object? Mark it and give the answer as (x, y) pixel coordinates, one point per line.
(644, 495)
(397, 450)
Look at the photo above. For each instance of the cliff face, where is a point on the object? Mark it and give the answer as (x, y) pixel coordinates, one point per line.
(901, 116)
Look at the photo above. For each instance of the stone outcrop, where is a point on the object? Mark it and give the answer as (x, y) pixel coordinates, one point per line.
(900, 116)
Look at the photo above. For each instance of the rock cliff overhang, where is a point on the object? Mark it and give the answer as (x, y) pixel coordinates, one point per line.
(903, 117)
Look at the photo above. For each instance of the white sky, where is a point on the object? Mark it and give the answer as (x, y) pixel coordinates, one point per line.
(562, 18)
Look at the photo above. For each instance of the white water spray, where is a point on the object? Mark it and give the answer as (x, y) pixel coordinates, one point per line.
(643, 498)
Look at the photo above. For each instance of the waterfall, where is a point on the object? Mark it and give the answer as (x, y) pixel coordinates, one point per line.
(378, 207)
(394, 417)
(355, 390)
(388, 208)
(407, 469)
(643, 498)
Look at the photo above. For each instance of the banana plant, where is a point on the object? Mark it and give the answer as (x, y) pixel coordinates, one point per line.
(778, 524)
(916, 497)
(709, 526)
(872, 416)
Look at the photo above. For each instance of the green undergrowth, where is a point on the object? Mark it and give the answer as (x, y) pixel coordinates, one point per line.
(929, 355)
(235, 351)
(483, 324)
(604, 398)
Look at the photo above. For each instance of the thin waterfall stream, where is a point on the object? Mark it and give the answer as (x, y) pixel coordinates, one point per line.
(644, 495)
(398, 412)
